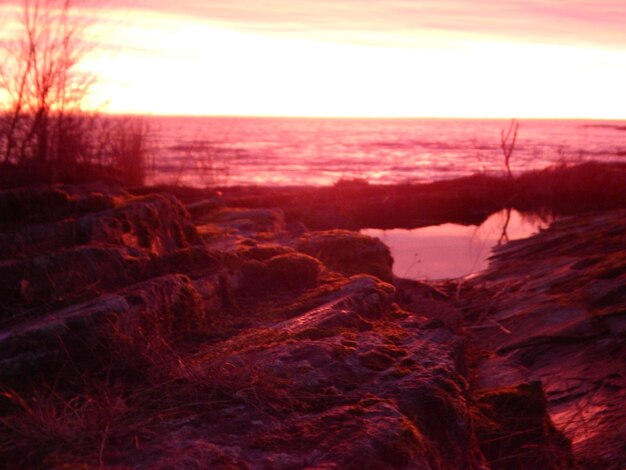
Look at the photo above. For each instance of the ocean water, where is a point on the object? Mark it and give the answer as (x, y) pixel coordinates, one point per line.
(204, 151)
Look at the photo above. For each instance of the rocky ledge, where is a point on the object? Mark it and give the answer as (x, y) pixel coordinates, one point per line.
(135, 335)
(552, 308)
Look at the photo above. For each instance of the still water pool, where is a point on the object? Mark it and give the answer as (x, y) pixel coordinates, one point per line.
(451, 250)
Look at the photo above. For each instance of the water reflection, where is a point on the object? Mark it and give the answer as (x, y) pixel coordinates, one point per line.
(451, 250)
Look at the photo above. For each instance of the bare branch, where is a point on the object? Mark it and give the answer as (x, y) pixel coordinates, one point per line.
(508, 145)
(41, 81)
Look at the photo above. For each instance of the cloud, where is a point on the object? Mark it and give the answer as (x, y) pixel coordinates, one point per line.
(564, 22)
(546, 21)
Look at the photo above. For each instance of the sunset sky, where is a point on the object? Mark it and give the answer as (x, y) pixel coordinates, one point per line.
(457, 58)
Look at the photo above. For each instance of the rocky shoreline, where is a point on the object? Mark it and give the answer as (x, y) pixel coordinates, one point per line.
(251, 329)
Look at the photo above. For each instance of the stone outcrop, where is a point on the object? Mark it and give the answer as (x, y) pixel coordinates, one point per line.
(45, 203)
(167, 308)
(238, 339)
(348, 253)
(552, 308)
(85, 251)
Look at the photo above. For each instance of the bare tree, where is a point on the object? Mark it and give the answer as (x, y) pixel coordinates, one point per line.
(44, 89)
(507, 143)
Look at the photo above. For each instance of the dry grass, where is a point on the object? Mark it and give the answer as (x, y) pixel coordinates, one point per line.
(110, 417)
(126, 146)
(48, 426)
(151, 383)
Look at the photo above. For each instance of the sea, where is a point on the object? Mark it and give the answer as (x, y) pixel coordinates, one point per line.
(230, 151)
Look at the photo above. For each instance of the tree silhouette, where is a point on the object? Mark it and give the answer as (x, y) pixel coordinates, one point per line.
(507, 144)
(43, 89)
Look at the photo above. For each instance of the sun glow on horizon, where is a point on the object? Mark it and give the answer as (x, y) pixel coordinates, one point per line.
(157, 63)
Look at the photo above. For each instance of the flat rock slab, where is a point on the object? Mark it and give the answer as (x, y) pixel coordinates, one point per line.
(555, 305)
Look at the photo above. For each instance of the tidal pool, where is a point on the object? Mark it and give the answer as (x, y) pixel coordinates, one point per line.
(450, 250)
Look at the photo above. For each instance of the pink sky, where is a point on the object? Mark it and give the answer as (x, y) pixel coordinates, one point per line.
(551, 21)
(479, 58)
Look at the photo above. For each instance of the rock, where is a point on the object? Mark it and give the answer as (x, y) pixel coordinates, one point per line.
(247, 220)
(27, 204)
(38, 239)
(351, 382)
(518, 433)
(66, 276)
(353, 305)
(368, 434)
(293, 270)
(240, 344)
(111, 241)
(41, 344)
(167, 307)
(217, 293)
(121, 325)
(201, 208)
(47, 203)
(87, 271)
(349, 253)
(288, 271)
(554, 304)
(264, 251)
(372, 433)
(430, 301)
(157, 223)
(195, 261)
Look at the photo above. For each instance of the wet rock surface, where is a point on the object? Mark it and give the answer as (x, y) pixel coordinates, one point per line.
(135, 333)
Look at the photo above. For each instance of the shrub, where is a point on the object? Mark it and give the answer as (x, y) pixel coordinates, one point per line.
(46, 132)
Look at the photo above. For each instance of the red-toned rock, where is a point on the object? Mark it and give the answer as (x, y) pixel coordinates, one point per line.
(349, 252)
(516, 432)
(264, 251)
(66, 276)
(41, 344)
(351, 381)
(552, 307)
(155, 223)
(371, 433)
(246, 220)
(112, 241)
(46, 203)
(282, 272)
(167, 309)
(241, 344)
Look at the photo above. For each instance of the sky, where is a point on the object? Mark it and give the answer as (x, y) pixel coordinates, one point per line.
(360, 58)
